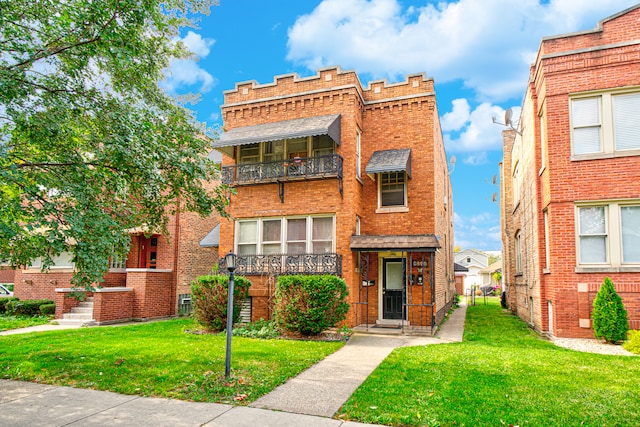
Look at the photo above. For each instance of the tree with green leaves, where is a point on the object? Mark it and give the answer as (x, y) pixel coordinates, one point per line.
(610, 320)
(90, 146)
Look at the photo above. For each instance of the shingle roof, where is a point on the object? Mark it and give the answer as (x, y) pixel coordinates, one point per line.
(415, 243)
(390, 161)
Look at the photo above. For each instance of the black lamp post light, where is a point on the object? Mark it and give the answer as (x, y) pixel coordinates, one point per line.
(230, 259)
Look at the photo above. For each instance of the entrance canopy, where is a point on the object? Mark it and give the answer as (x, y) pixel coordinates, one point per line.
(287, 129)
(407, 243)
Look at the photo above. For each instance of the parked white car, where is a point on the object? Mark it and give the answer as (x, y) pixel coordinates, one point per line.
(4, 292)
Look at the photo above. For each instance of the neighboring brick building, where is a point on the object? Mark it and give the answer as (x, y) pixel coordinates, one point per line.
(154, 280)
(571, 179)
(331, 177)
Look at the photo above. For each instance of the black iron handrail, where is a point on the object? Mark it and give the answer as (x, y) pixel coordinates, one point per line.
(283, 170)
(281, 264)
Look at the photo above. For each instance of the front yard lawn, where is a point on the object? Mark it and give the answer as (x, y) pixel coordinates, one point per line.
(158, 359)
(15, 322)
(502, 374)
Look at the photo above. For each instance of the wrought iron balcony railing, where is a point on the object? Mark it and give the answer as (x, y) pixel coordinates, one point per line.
(281, 264)
(283, 170)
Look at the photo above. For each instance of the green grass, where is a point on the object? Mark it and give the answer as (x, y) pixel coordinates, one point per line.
(158, 359)
(501, 374)
(14, 322)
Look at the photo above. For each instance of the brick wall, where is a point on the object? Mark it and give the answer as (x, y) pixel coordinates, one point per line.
(7, 274)
(603, 59)
(152, 292)
(113, 305)
(389, 116)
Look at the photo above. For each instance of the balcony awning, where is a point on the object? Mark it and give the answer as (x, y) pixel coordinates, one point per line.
(212, 239)
(409, 243)
(389, 161)
(308, 126)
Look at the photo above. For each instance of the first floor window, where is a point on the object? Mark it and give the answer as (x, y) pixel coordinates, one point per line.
(392, 189)
(630, 225)
(518, 242)
(295, 236)
(593, 235)
(609, 234)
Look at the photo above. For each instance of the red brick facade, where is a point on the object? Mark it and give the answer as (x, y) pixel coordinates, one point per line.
(387, 116)
(554, 287)
(158, 269)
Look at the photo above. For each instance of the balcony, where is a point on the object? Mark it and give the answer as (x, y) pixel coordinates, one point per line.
(281, 264)
(298, 168)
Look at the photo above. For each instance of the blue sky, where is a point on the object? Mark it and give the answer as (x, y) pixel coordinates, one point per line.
(477, 51)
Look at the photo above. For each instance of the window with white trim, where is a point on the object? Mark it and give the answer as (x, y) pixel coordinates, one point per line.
(117, 262)
(608, 234)
(606, 123)
(295, 235)
(518, 242)
(358, 155)
(62, 261)
(543, 141)
(547, 249)
(393, 189)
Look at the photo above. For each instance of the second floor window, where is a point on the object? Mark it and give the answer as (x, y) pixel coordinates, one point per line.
(319, 145)
(605, 124)
(392, 189)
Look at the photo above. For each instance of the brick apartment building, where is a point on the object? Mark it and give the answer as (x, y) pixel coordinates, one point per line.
(571, 179)
(153, 281)
(332, 177)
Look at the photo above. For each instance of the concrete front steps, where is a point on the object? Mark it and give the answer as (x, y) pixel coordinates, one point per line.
(80, 315)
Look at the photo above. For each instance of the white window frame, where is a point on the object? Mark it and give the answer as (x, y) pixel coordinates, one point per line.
(547, 249)
(613, 229)
(283, 152)
(117, 262)
(606, 123)
(283, 232)
(393, 208)
(543, 141)
(518, 247)
(358, 154)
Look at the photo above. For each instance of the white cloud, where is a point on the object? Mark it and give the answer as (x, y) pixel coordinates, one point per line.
(198, 45)
(480, 231)
(467, 130)
(186, 74)
(487, 44)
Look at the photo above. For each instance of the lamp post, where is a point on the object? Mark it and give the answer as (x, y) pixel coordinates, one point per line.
(230, 259)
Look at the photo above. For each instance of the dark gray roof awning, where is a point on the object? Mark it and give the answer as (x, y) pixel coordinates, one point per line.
(212, 239)
(389, 161)
(458, 267)
(411, 243)
(308, 126)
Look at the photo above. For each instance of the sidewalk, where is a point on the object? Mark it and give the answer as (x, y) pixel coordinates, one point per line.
(309, 399)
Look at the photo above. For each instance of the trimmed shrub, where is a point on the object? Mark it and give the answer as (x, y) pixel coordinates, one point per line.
(310, 304)
(48, 309)
(4, 302)
(633, 345)
(27, 307)
(610, 321)
(209, 297)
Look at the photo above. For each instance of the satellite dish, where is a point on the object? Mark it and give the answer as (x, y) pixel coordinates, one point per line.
(494, 180)
(494, 197)
(452, 160)
(507, 117)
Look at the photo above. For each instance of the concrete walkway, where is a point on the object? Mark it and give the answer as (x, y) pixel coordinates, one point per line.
(323, 388)
(308, 399)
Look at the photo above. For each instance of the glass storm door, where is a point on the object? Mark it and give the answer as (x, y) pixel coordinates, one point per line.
(392, 288)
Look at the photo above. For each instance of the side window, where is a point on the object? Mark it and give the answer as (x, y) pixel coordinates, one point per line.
(586, 125)
(247, 237)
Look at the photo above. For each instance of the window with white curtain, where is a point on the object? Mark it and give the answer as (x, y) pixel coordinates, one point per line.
(608, 234)
(291, 235)
(606, 123)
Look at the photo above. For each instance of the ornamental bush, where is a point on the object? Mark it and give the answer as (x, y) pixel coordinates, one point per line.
(5, 301)
(27, 307)
(310, 304)
(209, 296)
(610, 321)
(633, 345)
